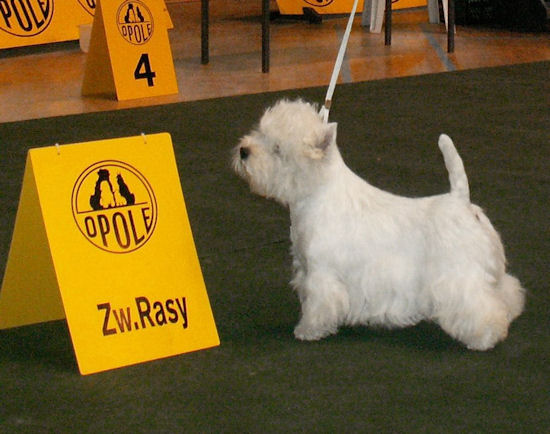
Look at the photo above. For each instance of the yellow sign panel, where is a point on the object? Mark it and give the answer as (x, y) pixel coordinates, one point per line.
(90, 6)
(295, 7)
(102, 237)
(34, 22)
(129, 53)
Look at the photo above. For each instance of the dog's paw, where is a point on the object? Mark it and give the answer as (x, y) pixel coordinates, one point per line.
(307, 333)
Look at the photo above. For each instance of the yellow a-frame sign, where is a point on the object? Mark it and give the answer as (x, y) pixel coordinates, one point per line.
(129, 54)
(102, 237)
(33, 22)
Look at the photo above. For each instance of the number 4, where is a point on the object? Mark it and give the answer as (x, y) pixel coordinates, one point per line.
(143, 70)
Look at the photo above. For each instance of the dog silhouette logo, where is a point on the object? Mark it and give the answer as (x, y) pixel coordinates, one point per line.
(135, 22)
(25, 18)
(88, 6)
(114, 206)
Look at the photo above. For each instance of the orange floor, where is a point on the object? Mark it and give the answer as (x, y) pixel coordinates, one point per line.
(46, 81)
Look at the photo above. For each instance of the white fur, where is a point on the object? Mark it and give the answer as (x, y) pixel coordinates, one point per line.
(365, 256)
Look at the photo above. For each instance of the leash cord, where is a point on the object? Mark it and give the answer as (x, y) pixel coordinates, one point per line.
(338, 64)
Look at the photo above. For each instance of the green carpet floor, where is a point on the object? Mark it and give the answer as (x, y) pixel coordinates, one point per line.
(260, 379)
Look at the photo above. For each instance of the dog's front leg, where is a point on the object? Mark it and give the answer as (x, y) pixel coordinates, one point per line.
(325, 304)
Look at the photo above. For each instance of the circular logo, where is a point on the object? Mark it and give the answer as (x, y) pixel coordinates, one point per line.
(88, 6)
(114, 206)
(319, 3)
(25, 18)
(135, 22)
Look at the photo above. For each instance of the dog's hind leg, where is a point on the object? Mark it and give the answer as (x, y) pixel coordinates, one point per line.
(325, 304)
(474, 313)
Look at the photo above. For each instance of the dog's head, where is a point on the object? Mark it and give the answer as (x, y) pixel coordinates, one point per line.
(284, 158)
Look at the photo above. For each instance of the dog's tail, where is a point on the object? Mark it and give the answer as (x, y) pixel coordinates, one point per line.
(455, 167)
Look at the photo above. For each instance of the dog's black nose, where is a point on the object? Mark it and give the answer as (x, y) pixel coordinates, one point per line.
(245, 152)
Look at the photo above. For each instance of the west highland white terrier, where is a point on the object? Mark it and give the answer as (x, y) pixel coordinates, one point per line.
(365, 256)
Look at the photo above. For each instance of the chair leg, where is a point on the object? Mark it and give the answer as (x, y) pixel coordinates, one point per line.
(265, 36)
(433, 11)
(205, 51)
(446, 12)
(367, 13)
(387, 32)
(451, 30)
(376, 15)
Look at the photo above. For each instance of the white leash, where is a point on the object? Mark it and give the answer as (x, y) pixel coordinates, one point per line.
(338, 65)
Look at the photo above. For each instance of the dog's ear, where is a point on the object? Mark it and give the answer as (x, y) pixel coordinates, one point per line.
(317, 150)
(330, 136)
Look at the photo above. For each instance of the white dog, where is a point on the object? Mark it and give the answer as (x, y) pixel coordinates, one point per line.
(365, 256)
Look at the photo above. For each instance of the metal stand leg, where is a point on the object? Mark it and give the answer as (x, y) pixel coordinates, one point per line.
(451, 27)
(265, 36)
(205, 56)
(387, 31)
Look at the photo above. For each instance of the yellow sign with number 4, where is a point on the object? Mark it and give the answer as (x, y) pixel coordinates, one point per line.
(129, 54)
